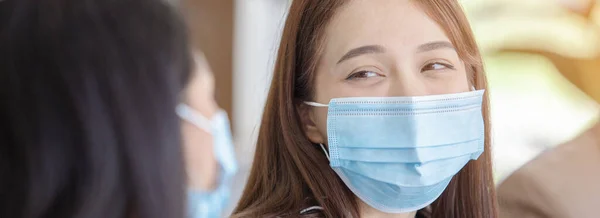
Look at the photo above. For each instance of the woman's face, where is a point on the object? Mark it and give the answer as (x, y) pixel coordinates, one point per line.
(200, 92)
(198, 143)
(388, 48)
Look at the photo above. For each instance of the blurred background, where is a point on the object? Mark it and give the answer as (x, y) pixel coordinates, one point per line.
(525, 45)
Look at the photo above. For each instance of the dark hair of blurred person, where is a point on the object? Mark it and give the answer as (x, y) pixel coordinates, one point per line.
(88, 90)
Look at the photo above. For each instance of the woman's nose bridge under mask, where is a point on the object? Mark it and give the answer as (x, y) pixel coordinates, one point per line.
(316, 104)
(398, 154)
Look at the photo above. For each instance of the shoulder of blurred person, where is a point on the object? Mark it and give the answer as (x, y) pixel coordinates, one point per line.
(561, 182)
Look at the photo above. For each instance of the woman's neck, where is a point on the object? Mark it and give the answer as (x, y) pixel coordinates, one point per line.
(367, 211)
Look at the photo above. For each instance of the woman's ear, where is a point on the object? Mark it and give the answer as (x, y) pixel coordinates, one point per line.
(310, 128)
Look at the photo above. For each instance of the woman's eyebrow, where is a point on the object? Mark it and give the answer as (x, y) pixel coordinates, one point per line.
(367, 49)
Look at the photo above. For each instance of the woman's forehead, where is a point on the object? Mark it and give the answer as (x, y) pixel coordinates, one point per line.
(391, 23)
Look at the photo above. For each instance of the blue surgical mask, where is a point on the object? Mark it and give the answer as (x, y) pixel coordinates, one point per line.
(398, 154)
(209, 204)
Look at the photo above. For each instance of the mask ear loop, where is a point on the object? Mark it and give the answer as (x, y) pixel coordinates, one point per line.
(187, 113)
(325, 151)
(315, 104)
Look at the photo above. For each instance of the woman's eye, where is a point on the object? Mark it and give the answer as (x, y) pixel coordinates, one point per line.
(362, 75)
(436, 66)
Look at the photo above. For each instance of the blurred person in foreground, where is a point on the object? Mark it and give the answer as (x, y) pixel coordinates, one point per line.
(565, 181)
(207, 144)
(88, 91)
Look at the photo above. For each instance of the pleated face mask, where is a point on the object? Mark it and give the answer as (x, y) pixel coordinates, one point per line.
(398, 154)
(208, 204)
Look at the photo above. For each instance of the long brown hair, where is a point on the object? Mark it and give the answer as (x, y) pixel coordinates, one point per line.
(290, 173)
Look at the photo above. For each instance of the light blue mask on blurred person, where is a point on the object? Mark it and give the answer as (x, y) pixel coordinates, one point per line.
(211, 204)
(398, 154)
